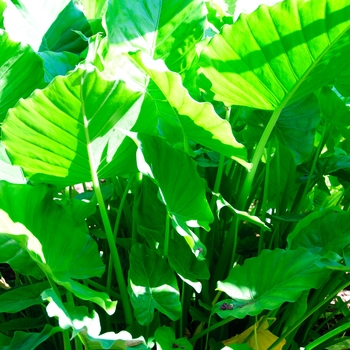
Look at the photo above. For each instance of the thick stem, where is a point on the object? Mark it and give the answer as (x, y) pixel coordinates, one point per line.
(256, 158)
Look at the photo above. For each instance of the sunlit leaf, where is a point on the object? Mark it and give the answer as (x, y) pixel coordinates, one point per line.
(267, 281)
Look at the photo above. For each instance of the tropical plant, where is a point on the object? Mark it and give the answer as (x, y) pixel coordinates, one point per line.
(174, 174)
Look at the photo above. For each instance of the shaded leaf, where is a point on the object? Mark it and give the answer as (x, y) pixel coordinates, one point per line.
(17, 299)
(29, 341)
(152, 285)
(322, 232)
(59, 245)
(58, 63)
(165, 338)
(186, 265)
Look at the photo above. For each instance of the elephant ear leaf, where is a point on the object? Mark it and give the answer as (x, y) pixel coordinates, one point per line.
(299, 47)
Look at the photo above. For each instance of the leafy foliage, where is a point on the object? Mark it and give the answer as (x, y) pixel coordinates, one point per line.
(170, 171)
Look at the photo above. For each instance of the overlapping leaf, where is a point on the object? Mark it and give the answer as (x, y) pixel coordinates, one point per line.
(183, 118)
(47, 136)
(300, 46)
(21, 72)
(182, 189)
(322, 232)
(47, 26)
(59, 245)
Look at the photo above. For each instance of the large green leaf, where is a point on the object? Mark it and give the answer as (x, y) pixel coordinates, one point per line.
(152, 285)
(322, 232)
(182, 118)
(61, 132)
(46, 25)
(299, 47)
(21, 71)
(269, 280)
(57, 243)
(182, 189)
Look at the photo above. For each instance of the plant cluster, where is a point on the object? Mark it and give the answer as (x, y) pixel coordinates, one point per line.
(172, 176)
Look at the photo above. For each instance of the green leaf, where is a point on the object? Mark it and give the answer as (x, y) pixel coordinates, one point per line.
(334, 110)
(267, 281)
(243, 215)
(165, 338)
(295, 127)
(19, 298)
(58, 63)
(2, 9)
(183, 192)
(342, 83)
(49, 138)
(29, 341)
(322, 232)
(186, 265)
(57, 243)
(183, 115)
(299, 47)
(110, 340)
(150, 213)
(47, 26)
(21, 72)
(71, 316)
(94, 8)
(8, 171)
(152, 285)
(20, 323)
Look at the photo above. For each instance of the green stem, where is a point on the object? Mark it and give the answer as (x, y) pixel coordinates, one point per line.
(327, 336)
(313, 167)
(266, 190)
(256, 158)
(65, 333)
(107, 225)
(115, 232)
(220, 169)
(211, 328)
(307, 315)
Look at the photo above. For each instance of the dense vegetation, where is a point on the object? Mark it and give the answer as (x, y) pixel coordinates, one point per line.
(174, 174)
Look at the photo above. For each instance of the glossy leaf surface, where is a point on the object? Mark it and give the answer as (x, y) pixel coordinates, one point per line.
(269, 280)
(299, 47)
(47, 135)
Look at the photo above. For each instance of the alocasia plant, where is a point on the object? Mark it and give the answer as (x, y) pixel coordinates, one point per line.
(170, 171)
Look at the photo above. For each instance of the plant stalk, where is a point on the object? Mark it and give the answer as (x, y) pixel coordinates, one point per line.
(107, 226)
